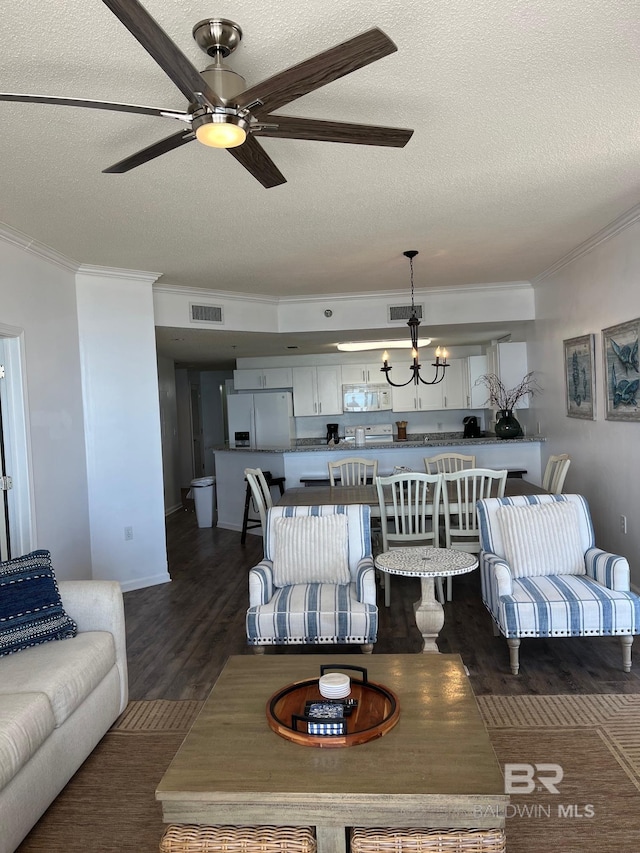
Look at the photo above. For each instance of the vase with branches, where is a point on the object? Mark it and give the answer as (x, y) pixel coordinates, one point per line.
(505, 399)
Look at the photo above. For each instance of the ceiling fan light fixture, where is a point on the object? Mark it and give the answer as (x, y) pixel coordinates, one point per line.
(220, 130)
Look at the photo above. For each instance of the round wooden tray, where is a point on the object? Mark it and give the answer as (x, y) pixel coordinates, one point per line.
(376, 713)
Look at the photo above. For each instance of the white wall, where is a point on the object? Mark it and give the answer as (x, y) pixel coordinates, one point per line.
(122, 426)
(596, 290)
(185, 449)
(37, 294)
(212, 383)
(169, 428)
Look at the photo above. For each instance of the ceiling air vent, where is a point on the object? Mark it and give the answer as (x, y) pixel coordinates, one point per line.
(206, 314)
(401, 313)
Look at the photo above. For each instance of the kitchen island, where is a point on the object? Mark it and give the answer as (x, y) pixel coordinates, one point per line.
(299, 461)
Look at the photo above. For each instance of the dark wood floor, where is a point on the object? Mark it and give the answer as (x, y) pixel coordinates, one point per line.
(180, 634)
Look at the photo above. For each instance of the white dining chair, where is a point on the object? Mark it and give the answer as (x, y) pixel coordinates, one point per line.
(461, 490)
(409, 512)
(446, 463)
(555, 473)
(353, 471)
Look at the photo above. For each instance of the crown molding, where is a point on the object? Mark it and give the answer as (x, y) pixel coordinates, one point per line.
(117, 272)
(626, 220)
(215, 295)
(202, 293)
(17, 238)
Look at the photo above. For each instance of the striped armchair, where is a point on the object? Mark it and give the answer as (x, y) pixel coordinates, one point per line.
(542, 575)
(315, 611)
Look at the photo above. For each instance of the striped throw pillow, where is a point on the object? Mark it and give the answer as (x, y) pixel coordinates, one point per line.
(542, 539)
(31, 610)
(311, 549)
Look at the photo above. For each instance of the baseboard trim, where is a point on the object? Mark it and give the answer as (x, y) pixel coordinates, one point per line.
(143, 583)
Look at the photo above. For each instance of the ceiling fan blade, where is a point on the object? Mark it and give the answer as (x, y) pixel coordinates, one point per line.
(166, 53)
(282, 88)
(94, 105)
(151, 152)
(290, 127)
(256, 160)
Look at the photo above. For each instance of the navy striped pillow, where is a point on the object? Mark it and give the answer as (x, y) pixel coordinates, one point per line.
(31, 610)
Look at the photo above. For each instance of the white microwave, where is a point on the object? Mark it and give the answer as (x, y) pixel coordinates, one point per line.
(366, 398)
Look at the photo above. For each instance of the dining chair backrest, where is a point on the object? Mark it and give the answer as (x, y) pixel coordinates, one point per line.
(354, 471)
(461, 490)
(410, 503)
(555, 473)
(409, 512)
(260, 492)
(446, 463)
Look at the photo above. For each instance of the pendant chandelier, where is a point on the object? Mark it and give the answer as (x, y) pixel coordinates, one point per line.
(413, 322)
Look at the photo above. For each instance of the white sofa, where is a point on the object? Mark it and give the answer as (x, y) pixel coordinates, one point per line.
(57, 700)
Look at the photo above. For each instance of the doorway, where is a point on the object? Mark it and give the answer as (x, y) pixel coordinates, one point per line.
(16, 516)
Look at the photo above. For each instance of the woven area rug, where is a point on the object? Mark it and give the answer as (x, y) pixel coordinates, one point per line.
(592, 742)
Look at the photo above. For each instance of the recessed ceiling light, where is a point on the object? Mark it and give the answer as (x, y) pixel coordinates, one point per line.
(359, 346)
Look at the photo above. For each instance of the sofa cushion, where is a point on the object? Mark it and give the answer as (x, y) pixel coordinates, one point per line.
(26, 721)
(542, 539)
(31, 610)
(66, 672)
(311, 549)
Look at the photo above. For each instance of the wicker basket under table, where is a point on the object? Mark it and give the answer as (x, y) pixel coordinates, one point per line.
(417, 840)
(189, 838)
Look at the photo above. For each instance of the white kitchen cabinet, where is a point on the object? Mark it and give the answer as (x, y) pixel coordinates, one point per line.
(317, 390)
(355, 374)
(454, 390)
(451, 393)
(509, 362)
(412, 398)
(257, 378)
(475, 367)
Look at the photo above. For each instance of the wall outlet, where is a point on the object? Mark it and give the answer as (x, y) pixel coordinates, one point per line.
(623, 524)
(128, 533)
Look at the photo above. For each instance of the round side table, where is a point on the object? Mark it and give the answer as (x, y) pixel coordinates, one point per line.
(427, 564)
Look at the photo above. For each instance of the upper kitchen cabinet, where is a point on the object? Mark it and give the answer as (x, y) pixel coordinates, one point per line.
(450, 393)
(317, 390)
(356, 374)
(475, 366)
(454, 391)
(422, 398)
(509, 362)
(258, 378)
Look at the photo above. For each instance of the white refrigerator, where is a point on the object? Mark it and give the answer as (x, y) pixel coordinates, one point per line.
(266, 417)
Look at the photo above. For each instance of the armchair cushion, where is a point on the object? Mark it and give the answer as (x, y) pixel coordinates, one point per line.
(566, 606)
(542, 539)
(313, 613)
(311, 549)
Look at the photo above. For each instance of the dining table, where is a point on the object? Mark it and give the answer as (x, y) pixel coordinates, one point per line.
(325, 495)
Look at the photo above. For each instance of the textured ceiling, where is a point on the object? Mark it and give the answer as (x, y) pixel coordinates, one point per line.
(527, 142)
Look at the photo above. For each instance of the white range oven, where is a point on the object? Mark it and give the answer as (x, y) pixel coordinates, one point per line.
(373, 435)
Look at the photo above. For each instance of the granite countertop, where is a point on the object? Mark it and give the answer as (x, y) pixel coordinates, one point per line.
(316, 446)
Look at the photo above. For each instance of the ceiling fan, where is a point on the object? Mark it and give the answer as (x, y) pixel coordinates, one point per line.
(222, 112)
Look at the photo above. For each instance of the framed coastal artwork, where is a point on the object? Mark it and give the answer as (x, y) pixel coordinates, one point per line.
(579, 375)
(622, 377)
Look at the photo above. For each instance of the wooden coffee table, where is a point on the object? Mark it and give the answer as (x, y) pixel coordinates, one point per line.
(435, 768)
